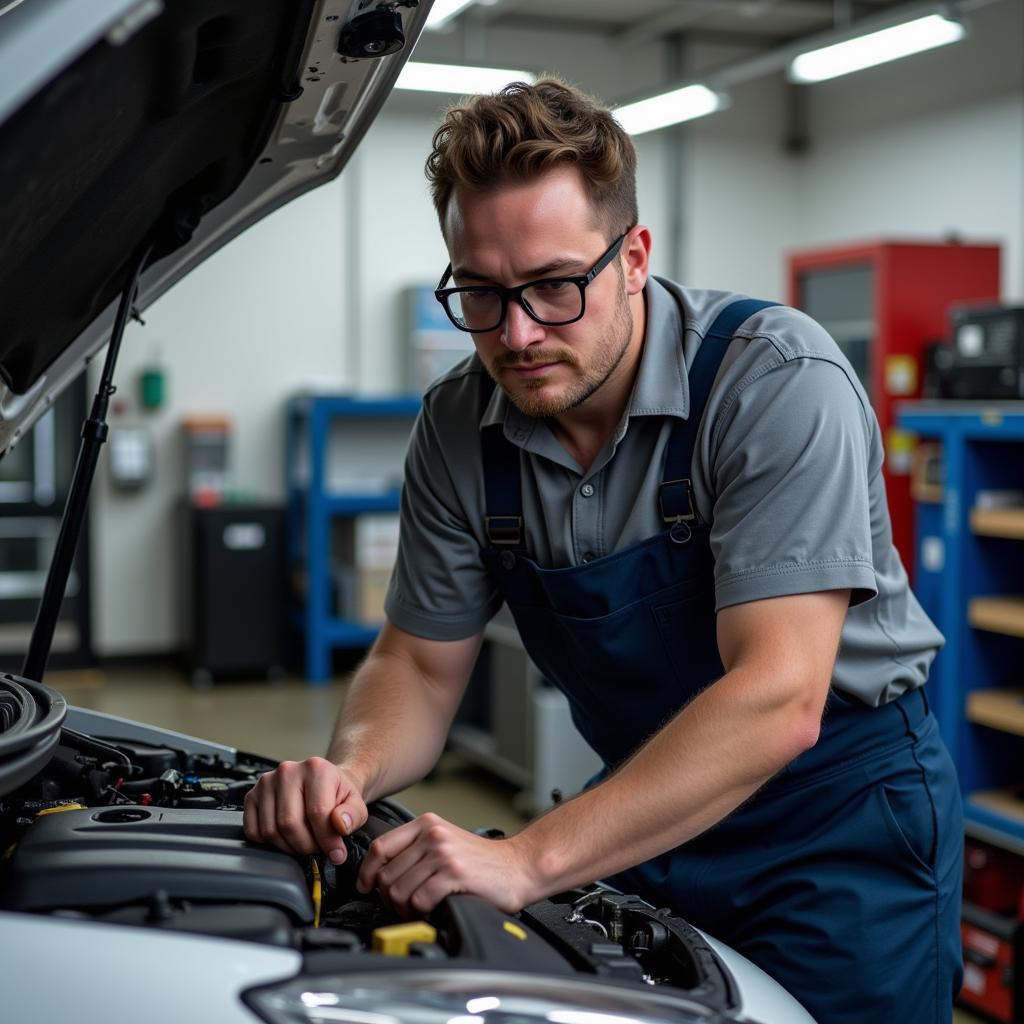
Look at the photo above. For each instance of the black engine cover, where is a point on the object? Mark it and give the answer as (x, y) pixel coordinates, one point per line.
(112, 856)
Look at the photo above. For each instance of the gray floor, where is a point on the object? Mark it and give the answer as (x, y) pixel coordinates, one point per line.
(287, 721)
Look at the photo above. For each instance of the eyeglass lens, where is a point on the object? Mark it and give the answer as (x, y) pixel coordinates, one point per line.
(553, 301)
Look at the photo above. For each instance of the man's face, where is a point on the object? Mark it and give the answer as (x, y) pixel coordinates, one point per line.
(525, 232)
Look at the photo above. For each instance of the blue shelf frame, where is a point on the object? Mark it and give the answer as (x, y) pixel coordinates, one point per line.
(311, 507)
(982, 448)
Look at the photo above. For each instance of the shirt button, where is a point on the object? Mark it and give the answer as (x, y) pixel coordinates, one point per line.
(589, 556)
(587, 490)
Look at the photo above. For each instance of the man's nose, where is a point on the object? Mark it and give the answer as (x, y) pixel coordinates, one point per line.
(519, 330)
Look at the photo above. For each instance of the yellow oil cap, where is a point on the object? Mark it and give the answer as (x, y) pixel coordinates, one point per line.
(396, 939)
(58, 810)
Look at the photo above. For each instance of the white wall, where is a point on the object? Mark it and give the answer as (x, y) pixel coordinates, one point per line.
(399, 242)
(932, 145)
(741, 195)
(922, 147)
(259, 320)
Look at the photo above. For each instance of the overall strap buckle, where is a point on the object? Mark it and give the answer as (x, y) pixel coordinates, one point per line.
(676, 498)
(504, 531)
(677, 502)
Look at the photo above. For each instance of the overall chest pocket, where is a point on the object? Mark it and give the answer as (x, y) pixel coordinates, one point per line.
(632, 663)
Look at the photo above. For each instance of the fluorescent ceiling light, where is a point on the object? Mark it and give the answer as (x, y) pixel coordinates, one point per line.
(443, 11)
(669, 108)
(457, 78)
(875, 48)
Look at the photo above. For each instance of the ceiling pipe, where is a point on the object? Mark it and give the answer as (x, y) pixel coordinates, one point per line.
(690, 11)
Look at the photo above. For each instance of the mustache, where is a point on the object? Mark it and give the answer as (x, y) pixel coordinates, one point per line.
(529, 357)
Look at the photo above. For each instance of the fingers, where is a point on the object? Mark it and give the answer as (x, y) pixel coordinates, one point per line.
(303, 807)
(251, 817)
(398, 878)
(343, 820)
(264, 815)
(281, 815)
(439, 872)
(323, 787)
(437, 887)
(407, 895)
(415, 866)
(290, 792)
(387, 848)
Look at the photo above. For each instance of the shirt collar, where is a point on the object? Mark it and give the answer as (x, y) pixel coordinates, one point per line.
(661, 387)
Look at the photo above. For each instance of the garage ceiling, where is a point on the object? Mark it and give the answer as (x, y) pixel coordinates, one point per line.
(635, 22)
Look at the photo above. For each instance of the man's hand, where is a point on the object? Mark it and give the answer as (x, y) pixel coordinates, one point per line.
(304, 807)
(417, 865)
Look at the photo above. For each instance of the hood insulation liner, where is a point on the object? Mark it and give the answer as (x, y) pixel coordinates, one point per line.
(131, 142)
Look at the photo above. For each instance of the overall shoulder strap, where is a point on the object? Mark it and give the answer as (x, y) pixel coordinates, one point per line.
(676, 493)
(503, 518)
(503, 493)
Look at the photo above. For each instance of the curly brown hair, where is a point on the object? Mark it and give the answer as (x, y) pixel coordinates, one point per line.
(524, 130)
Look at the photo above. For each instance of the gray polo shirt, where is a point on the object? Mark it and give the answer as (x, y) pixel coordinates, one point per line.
(787, 469)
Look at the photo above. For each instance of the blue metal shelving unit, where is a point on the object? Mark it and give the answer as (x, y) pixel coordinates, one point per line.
(970, 578)
(311, 507)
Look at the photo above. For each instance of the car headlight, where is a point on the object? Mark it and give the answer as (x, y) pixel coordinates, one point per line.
(458, 996)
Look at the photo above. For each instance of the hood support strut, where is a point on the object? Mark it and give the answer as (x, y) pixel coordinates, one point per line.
(94, 434)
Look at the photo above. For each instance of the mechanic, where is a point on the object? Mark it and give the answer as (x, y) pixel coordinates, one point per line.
(679, 495)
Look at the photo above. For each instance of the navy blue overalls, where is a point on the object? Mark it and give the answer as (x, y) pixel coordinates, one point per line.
(841, 877)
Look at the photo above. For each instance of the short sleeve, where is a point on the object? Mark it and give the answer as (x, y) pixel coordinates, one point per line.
(440, 588)
(790, 477)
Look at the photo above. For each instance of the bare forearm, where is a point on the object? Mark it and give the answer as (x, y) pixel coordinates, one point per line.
(392, 727)
(709, 759)
(779, 654)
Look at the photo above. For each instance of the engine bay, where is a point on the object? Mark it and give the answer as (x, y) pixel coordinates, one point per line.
(150, 836)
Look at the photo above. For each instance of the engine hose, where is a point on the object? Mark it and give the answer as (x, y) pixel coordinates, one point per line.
(80, 740)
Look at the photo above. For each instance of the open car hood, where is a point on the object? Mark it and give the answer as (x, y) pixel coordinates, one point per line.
(173, 122)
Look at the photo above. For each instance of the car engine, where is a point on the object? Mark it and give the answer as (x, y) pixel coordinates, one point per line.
(150, 836)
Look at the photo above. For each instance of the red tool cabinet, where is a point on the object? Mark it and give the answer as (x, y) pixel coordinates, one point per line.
(884, 302)
(992, 927)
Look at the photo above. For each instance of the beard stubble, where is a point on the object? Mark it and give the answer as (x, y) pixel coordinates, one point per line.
(608, 354)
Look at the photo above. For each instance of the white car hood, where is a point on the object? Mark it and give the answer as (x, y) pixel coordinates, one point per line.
(127, 121)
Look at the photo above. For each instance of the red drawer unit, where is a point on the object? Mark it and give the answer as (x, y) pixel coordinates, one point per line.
(992, 964)
(993, 878)
(884, 302)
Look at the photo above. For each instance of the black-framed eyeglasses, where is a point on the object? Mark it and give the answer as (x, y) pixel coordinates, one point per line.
(551, 301)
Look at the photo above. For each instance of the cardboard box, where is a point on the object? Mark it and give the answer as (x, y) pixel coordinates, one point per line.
(371, 589)
(367, 547)
(368, 541)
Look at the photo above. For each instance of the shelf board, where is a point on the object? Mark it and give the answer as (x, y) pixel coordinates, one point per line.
(998, 522)
(990, 834)
(997, 614)
(929, 494)
(997, 817)
(353, 407)
(998, 709)
(355, 503)
(1003, 802)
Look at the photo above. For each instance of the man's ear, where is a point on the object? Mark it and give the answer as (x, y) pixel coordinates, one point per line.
(636, 259)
